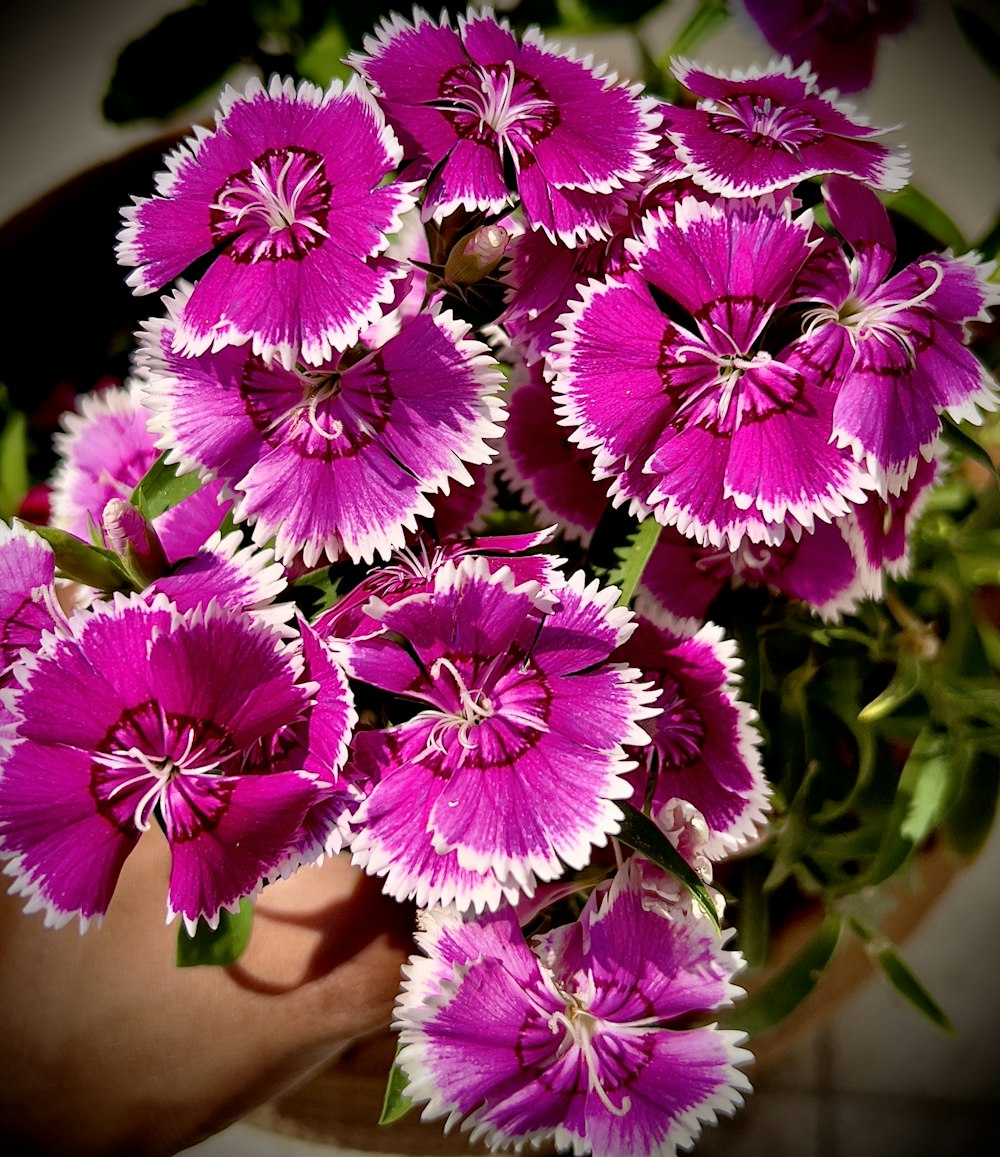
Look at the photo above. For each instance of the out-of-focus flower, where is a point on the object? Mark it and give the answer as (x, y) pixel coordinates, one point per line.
(838, 39)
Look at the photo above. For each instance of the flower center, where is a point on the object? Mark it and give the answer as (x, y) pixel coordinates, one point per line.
(759, 121)
(497, 103)
(864, 322)
(472, 707)
(581, 1027)
(145, 752)
(679, 732)
(276, 209)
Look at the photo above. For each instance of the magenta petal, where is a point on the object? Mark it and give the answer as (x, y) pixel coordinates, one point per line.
(27, 573)
(66, 851)
(229, 833)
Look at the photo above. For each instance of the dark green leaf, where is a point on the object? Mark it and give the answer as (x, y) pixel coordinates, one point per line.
(966, 445)
(640, 833)
(982, 36)
(705, 21)
(921, 799)
(899, 975)
(970, 819)
(396, 1104)
(161, 488)
(204, 39)
(786, 991)
(633, 558)
(922, 211)
(220, 946)
(78, 560)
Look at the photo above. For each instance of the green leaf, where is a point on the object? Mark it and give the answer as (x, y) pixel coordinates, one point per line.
(899, 975)
(396, 1104)
(78, 560)
(970, 819)
(921, 210)
(14, 479)
(982, 36)
(966, 445)
(321, 59)
(786, 991)
(161, 488)
(640, 833)
(705, 21)
(219, 946)
(921, 799)
(632, 559)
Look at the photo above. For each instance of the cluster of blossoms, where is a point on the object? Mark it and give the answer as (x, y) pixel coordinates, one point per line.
(483, 266)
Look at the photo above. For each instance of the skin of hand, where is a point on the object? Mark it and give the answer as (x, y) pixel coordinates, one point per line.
(109, 1048)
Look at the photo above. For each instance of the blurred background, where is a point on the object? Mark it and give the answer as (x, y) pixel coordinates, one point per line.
(873, 1079)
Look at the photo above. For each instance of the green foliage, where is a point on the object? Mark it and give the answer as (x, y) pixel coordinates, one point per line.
(395, 1104)
(14, 479)
(790, 987)
(78, 560)
(219, 946)
(632, 559)
(161, 488)
(640, 833)
(899, 974)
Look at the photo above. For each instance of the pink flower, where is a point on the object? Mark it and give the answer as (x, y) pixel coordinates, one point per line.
(296, 221)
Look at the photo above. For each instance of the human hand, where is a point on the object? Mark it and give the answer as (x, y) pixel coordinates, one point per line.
(110, 1048)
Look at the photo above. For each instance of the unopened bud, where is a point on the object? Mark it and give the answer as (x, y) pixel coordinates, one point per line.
(131, 536)
(476, 255)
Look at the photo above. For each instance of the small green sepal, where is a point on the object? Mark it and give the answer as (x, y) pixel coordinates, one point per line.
(396, 1104)
(220, 946)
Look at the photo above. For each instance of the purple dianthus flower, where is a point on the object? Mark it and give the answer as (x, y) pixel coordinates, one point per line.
(576, 1038)
(512, 768)
(470, 101)
(297, 222)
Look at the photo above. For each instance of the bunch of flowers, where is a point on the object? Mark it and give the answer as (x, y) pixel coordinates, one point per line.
(304, 589)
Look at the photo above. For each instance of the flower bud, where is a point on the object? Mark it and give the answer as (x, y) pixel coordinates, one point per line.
(131, 536)
(476, 255)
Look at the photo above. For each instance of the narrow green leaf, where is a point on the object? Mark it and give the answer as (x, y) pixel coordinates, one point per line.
(78, 560)
(921, 798)
(900, 976)
(970, 819)
(14, 479)
(786, 991)
(922, 211)
(705, 21)
(219, 946)
(966, 445)
(396, 1104)
(640, 833)
(161, 488)
(633, 558)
